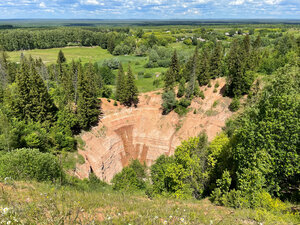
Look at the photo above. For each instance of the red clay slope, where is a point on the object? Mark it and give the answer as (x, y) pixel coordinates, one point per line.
(144, 133)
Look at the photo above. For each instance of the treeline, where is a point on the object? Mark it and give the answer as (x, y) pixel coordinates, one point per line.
(43, 107)
(25, 39)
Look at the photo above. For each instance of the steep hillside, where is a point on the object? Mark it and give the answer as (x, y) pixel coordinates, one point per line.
(144, 133)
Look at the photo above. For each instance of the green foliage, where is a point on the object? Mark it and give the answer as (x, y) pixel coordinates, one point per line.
(181, 89)
(30, 164)
(61, 57)
(131, 178)
(88, 105)
(131, 91)
(169, 101)
(234, 105)
(181, 176)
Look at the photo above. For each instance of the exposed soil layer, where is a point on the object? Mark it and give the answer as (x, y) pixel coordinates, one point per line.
(144, 133)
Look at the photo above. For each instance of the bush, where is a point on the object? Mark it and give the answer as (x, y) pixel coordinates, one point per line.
(30, 164)
(106, 92)
(156, 82)
(201, 94)
(131, 178)
(148, 75)
(234, 105)
(141, 73)
(169, 101)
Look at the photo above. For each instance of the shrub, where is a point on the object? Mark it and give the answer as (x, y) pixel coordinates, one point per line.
(30, 164)
(131, 178)
(141, 73)
(156, 82)
(169, 101)
(209, 85)
(106, 92)
(201, 94)
(148, 75)
(234, 105)
(115, 103)
(217, 85)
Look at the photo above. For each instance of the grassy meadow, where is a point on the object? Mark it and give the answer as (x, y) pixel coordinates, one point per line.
(98, 55)
(42, 203)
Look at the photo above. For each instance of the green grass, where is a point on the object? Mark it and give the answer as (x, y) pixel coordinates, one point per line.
(42, 203)
(96, 54)
(49, 56)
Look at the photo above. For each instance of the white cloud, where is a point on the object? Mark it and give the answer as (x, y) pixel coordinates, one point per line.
(237, 2)
(91, 2)
(42, 5)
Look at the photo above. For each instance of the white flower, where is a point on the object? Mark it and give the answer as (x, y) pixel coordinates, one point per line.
(170, 217)
(210, 222)
(182, 219)
(165, 222)
(109, 218)
(156, 217)
(5, 210)
(8, 222)
(119, 214)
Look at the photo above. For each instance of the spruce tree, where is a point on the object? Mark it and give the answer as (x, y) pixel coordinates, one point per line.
(193, 76)
(33, 102)
(204, 69)
(175, 66)
(61, 57)
(181, 89)
(131, 91)
(216, 61)
(87, 105)
(120, 85)
(239, 82)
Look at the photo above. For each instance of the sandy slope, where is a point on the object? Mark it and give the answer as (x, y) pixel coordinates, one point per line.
(144, 133)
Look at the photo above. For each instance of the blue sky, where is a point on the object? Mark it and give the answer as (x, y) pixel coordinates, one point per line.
(149, 9)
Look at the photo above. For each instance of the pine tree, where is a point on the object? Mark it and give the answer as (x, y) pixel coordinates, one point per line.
(33, 102)
(193, 76)
(175, 66)
(216, 61)
(61, 57)
(204, 69)
(87, 105)
(239, 82)
(120, 85)
(181, 89)
(170, 80)
(131, 91)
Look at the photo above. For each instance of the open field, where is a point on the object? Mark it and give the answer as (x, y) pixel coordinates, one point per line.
(49, 56)
(96, 54)
(41, 203)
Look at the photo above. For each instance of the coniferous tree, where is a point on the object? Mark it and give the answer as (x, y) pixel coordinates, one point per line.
(193, 76)
(61, 57)
(87, 105)
(175, 66)
(181, 89)
(33, 102)
(204, 69)
(239, 82)
(131, 91)
(120, 85)
(216, 61)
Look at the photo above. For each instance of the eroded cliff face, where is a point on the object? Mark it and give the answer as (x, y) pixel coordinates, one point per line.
(144, 133)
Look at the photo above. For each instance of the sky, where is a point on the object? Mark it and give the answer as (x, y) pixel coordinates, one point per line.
(149, 9)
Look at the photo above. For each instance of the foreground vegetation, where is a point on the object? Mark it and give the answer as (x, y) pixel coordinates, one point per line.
(42, 203)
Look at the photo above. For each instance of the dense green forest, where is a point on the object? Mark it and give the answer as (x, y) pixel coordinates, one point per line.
(253, 163)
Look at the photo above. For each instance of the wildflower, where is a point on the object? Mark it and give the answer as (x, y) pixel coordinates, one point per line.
(165, 222)
(5, 210)
(210, 222)
(119, 214)
(170, 217)
(109, 218)
(156, 217)
(182, 219)
(8, 222)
